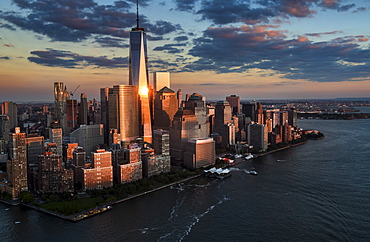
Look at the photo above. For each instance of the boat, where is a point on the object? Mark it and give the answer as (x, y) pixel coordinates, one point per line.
(17, 222)
(238, 156)
(253, 172)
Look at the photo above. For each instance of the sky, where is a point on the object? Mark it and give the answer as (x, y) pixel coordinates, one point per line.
(256, 49)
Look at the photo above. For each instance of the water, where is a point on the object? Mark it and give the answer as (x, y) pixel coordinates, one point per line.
(319, 191)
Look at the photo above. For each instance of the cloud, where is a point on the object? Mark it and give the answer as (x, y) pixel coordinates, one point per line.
(111, 42)
(323, 33)
(181, 38)
(231, 49)
(185, 5)
(8, 45)
(4, 58)
(170, 48)
(259, 11)
(74, 21)
(67, 59)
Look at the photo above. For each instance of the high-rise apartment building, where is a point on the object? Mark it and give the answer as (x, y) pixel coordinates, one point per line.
(61, 95)
(52, 177)
(17, 172)
(100, 174)
(56, 136)
(10, 109)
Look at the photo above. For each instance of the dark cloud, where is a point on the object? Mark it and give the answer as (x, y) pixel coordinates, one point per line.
(181, 38)
(170, 48)
(185, 5)
(66, 20)
(252, 12)
(226, 50)
(360, 9)
(67, 59)
(112, 42)
(323, 33)
(4, 58)
(6, 26)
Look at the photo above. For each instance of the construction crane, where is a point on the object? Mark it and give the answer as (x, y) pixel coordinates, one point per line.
(73, 113)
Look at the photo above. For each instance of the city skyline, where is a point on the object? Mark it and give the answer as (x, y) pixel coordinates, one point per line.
(274, 49)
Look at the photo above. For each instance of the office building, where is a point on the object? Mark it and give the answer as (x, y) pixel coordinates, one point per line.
(82, 110)
(222, 116)
(88, 136)
(161, 80)
(10, 109)
(35, 147)
(138, 76)
(165, 108)
(200, 152)
(4, 128)
(234, 102)
(124, 111)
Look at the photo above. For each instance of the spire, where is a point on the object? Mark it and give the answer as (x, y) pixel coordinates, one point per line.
(137, 14)
(137, 18)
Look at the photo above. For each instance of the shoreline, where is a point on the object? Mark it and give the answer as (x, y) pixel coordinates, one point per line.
(108, 206)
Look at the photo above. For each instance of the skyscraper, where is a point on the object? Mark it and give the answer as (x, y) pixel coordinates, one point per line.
(82, 110)
(138, 76)
(61, 95)
(18, 163)
(234, 102)
(165, 108)
(124, 111)
(161, 80)
(10, 109)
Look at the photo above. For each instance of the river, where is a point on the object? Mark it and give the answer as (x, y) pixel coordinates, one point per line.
(319, 191)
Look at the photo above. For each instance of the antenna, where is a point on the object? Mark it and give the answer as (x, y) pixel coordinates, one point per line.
(137, 13)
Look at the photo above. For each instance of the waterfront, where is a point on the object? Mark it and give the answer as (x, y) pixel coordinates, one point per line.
(316, 191)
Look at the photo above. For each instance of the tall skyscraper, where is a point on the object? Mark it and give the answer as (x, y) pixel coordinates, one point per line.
(4, 127)
(10, 109)
(222, 115)
(56, 136)
(138, 76)
(234, 102)
(61, 95)
(18, 163)
(165, 108)
(161, 80)
(82, 110)
(124, 111)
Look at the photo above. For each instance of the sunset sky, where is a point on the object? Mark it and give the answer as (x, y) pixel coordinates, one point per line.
(257, 49)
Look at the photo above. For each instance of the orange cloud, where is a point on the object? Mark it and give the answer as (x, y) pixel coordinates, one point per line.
(302, 39)
(9, 45)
